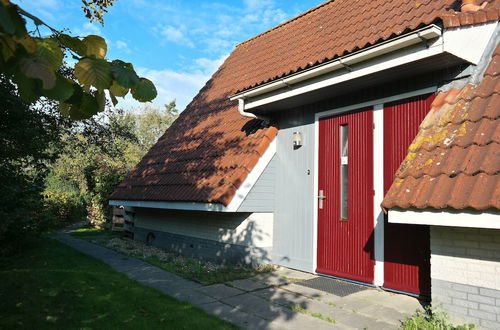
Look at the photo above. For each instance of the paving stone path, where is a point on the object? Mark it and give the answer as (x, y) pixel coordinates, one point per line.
(264, 301)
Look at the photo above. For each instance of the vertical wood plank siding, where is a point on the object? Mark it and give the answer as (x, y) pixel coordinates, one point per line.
(345, 247)
(406, 265)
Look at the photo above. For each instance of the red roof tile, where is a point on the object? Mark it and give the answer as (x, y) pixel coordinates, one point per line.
(211, 148)
(455, 159)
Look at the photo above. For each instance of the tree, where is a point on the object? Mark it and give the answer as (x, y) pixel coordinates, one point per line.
(152, 122)
(29, 140)
(34, 64)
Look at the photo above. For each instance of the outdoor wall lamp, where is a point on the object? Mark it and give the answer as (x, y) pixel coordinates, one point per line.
(297, 140)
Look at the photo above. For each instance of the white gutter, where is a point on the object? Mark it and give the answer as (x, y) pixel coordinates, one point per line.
(419, 36)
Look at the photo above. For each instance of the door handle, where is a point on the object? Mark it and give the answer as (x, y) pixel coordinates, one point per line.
(321, 198)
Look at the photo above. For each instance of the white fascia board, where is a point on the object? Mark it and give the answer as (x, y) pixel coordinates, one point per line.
(469, 42)
(449, 217)
(424, 34)
(233, 206)
(252, 177)
(191, 206)
(378, 64)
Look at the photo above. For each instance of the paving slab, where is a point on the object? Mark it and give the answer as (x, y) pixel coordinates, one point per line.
(258, 306)
(192, 296)
(280, 297)
(264, 301)
(219, 291)
(293, 274)
(308, 292)
(271, 279)
(248, 285)
(236, 316)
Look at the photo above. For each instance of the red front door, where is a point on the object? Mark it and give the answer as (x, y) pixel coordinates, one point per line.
(407, 247)
(345, 204)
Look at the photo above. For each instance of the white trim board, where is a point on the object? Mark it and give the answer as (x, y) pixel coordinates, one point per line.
(467, 43)
(447, 217)
(233, 206)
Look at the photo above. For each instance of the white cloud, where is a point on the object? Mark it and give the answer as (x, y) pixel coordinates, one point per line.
(123, 46)
(179, 85)
(176, 35)
(86, 29)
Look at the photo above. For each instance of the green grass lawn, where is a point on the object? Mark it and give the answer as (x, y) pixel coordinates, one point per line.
(192, 269)
(54, 286)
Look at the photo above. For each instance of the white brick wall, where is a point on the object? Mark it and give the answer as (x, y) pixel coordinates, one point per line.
(466, 255)
(465, 272)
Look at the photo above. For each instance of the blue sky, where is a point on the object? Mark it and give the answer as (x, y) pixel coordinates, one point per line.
(177, 44)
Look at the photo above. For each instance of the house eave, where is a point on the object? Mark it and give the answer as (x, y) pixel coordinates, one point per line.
(461, 45)
(233, 206)
(489, 219)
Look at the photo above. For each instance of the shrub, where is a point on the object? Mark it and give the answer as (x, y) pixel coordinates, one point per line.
(432, 318)
(63, 208)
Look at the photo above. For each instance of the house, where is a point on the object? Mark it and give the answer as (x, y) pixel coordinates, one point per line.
(289, 151)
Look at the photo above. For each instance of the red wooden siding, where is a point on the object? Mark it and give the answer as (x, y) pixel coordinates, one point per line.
(407, 250)
(345, 247)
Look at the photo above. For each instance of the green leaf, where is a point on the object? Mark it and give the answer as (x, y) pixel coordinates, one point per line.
(61, 91)
(118, 90)
(10, 20)
(101, 100)
(124, 74)
(8, 46)
(28, 42)
(144, 90)
(95, 46)
(64, 109)
(49, 50)
(89, 105)
(39, 68)
(28, 88)
(85, 109)
(113, 98)
(76, 97)
(95, 72)
(73, 43)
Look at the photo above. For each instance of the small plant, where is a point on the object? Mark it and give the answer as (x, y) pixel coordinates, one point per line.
(432, 318)
(320, 316)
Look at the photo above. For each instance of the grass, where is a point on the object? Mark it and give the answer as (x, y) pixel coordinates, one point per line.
(193, 269)
(52, 286)
(320, 316)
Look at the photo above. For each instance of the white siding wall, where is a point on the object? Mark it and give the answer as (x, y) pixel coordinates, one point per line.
(294, 221)
(246, 229)
(261, 196)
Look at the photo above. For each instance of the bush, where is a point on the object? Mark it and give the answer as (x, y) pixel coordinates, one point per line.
(432, 319)
(63, 208)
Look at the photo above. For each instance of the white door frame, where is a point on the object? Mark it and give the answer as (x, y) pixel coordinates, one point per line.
(378, 170)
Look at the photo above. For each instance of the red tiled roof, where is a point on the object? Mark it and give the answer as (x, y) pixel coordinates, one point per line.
(339, 27)
(455, 159)
(210, 149)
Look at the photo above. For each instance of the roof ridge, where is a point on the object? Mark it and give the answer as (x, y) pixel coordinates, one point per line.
(287, 22)
(451, 175)
(450, 122)
(439, 146)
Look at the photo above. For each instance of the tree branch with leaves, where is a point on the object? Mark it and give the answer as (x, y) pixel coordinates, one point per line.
(34, 62)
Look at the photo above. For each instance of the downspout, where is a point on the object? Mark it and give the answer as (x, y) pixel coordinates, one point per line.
(241, 109)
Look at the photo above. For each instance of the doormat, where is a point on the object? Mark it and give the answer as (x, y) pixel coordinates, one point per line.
(333, 286)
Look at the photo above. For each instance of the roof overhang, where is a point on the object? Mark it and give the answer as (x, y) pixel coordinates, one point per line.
(426, 48)
(448, 217)
(233, 206)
